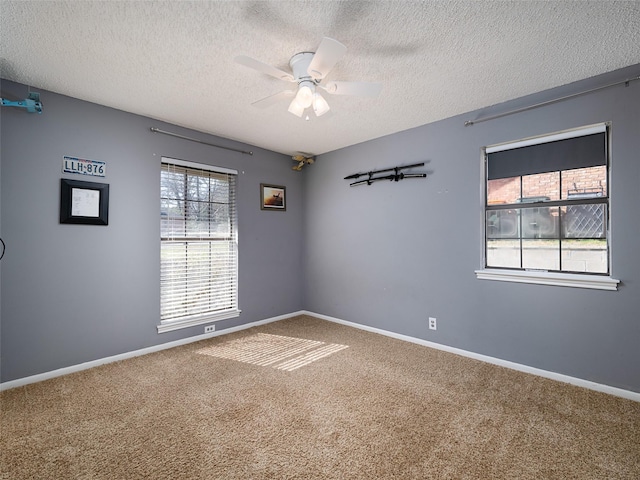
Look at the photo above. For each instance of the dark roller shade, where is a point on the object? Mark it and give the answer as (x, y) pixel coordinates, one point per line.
(567, 154)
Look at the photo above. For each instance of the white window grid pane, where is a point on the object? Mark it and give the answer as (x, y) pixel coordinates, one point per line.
(579, 222)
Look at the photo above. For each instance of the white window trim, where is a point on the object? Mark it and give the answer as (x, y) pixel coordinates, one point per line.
(541, 277)
(199, 166)
(549, 278)
(170, 325)
(177, 324)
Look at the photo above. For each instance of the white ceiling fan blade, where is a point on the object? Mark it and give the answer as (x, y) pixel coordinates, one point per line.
(273, 99)
(263, 67)
(328, 53)
(360, 89)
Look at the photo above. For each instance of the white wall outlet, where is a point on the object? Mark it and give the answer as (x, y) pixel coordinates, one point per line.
(432, 323)
(209, 328)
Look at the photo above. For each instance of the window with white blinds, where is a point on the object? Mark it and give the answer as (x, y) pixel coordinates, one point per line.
(199, 244)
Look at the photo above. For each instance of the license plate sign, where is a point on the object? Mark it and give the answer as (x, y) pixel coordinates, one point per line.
(82, 166)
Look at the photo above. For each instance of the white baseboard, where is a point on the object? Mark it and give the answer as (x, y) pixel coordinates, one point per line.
(618, 392)
(136, 353)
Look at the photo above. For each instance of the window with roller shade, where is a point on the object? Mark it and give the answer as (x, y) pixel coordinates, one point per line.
(547, 203)
(199, 247)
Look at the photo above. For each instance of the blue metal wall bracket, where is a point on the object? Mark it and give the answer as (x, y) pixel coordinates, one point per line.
(32, 103)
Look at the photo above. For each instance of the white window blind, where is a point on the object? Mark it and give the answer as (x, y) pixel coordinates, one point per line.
(199, 247)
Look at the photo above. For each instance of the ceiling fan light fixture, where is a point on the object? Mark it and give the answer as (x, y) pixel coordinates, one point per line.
(296, 108)
(304, 97)
(320, 105)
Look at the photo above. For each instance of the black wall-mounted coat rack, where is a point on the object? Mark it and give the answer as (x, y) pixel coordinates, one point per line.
(396, 176)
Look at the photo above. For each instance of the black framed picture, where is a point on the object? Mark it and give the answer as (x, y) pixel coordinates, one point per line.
(84, 203)
(272, 197)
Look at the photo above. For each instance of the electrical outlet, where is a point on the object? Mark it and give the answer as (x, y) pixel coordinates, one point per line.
(209, 328)
(432, 323)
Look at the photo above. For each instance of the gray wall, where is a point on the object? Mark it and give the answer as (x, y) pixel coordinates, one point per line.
(392, 254)
(75, 293)
(387, 255)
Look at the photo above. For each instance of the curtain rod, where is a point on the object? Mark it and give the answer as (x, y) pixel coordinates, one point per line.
(549, 102)
(157, 130)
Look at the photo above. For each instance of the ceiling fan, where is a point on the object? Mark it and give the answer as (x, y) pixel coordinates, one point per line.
(309, 72)
(302, 161)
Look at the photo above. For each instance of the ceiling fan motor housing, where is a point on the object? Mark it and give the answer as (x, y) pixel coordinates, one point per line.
(299, 64)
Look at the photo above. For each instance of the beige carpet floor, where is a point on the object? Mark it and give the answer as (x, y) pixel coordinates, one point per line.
(308, 399)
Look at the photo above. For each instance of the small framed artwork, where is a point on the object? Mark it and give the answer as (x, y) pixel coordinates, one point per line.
(273, 197)
(84, 203)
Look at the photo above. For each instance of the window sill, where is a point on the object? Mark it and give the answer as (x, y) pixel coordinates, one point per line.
(171, 325)
(550, 278)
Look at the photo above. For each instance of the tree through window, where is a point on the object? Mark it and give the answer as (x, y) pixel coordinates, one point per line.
(199, 250)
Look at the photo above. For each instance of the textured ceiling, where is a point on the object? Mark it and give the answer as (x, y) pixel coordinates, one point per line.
(173, 60)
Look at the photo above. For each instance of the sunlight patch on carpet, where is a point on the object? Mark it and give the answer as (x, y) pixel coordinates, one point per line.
(283, 353)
